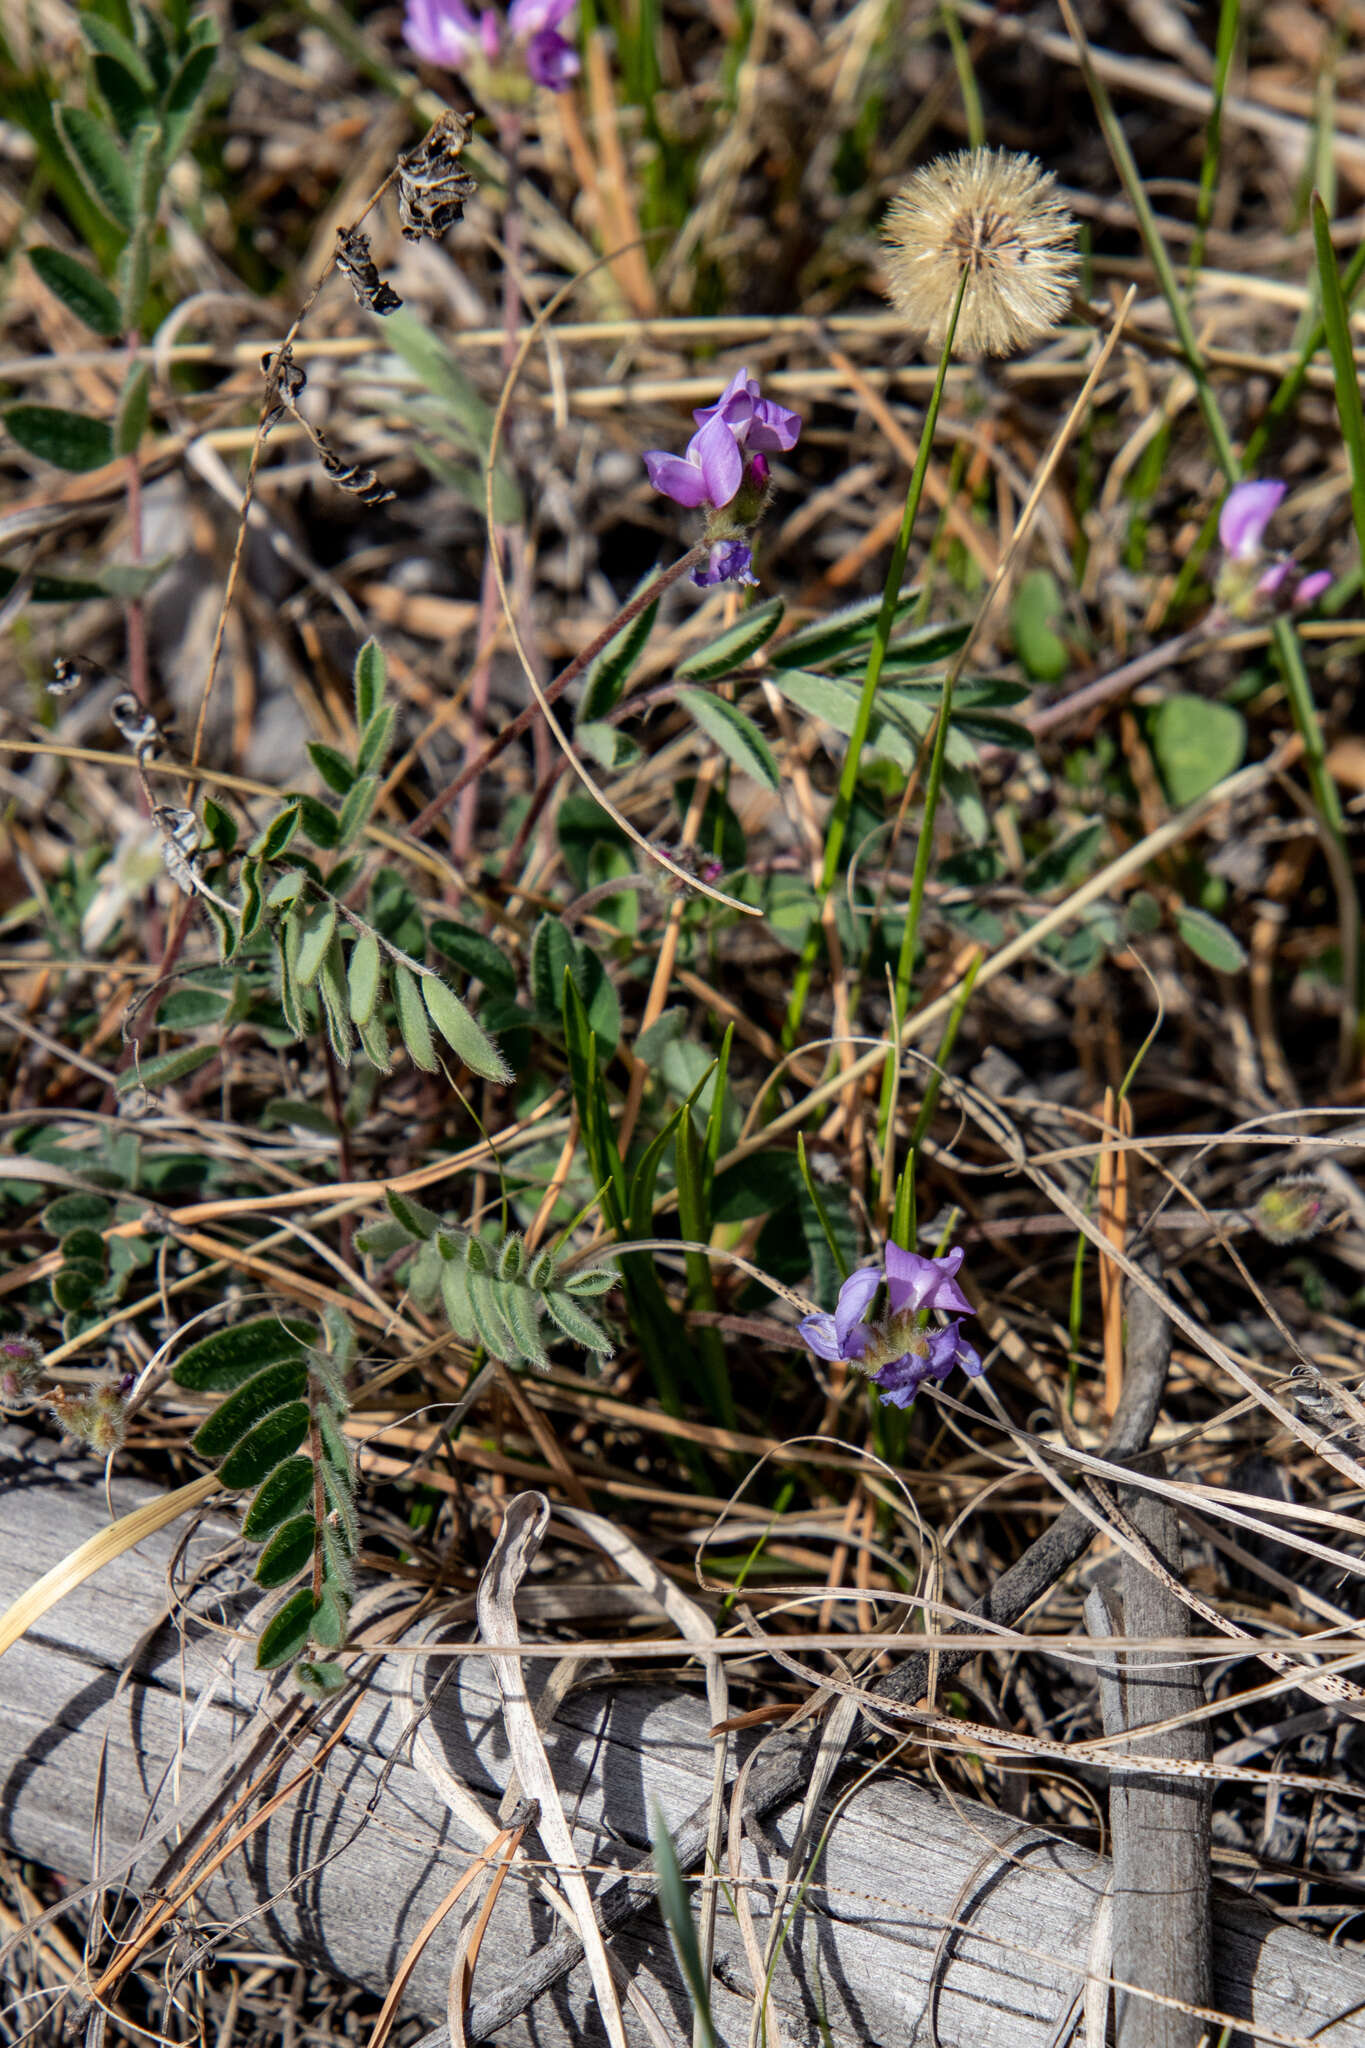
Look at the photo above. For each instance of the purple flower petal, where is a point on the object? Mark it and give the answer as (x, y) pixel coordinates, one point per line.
(550, 61)
(1312, 588)
(900, 1379)
(772, 427)
(716, 450)
(914, 1282)
(730, 561)
(1272, 584)
(734, 402)
(947, 1348)
(676, 478)
(1246, 513)
(855, 1299)
(527, 18)
(819, 1335)
(441, 32)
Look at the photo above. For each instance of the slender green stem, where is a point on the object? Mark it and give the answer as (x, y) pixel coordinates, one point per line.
(966, 78)
(848, 778)
(1337, 325)
(1229, 22)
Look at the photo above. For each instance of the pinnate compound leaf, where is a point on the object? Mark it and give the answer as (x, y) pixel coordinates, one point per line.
(731, 649)
(280, 1494)
(229, 1357)
(79, 290)
(287, 1552)
(1197, 742)
(413, 1027)
(1212, 941)
(286, 1633)
(241, 1411)
(735, 734)
(69, 440)
(101, 164)
(264, 1447)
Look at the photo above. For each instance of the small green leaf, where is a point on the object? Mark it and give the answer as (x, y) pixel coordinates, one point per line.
(253, 903)
(1066, 863)
(134, 404)
(1196, 742)
(413, 1028)
(220, 825)
(731, 649)
(375, 1040)
(102, 166)
(455, 1296)
(415, 1217)
(608, 675)
(218, 1363)
(280, 1494)
(79, 290)
(261, 1395)
(189, 1009)
(68, 440)
(186, 90)
(72, 1287)
(285, 1635)
(578, 1324)
(335, 770)
(287, 1552)
(602, 743)
(824, 697)
(1213, 942)
(735, 734)
(1037, 605)
(76, 1212)
(371, 681)
(552, 957)
(316, 926)
(166, 1067)
(317, 820)
(364, 978)
(271, 843)
(480, 958)
(110, 42)
(335, 1002)
(321, 1681)
(374, 741)
(460, 1032)
(844, 632)
(264, 1448)
(355, 811)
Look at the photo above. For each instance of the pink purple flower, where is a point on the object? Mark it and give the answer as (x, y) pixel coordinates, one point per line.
(724, 471)
(1251, 579)
(730, 561)
(1247, 511)
(757, 423)
(709, 472)
(449, 33)
(899, 1349)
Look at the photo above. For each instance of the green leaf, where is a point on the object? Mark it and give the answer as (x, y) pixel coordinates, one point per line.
(480, 958)
(271, 843)
(316, 926)
(52, 589)
(842, 633)
(101, 164)
(1196, 743)
(186, 90)
(280, 1494)
(220, 825)
(413, 1028)
(79, 290)
(374, 741)
(678, 1919)
(604, 744)
(375, 1040)
(576, 1323)
(321, 1681)
(735, 734)
(134, 404)
(825, 697)
(1037, 604)
(1213, 942)
(355, 811)
(755, 1186)
(317, 820)
(76, 1212)
(1066, 863)
(414, 1216)
(286, 1554)
(364, 978)
(109, 42)
(455, 1296)
(121, 94)
(69, 440)
(608, 675)
(217, 1364)
(166, 1067)
(189, 1009)
(371, 681)
(552, 957)
(262, 1394)
(461, 1033)
(731, 649)
(335, 770)
(336, 1002)
(285, 1635)
(1336, 321)
(268, 1443)
(253, 903)
(72, 1287)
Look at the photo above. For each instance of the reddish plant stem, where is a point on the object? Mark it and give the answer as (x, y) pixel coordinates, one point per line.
(524, 720)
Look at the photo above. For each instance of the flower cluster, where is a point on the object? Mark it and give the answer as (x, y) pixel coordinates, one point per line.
(724, 469)
(449, 33)
(1252, 580)
(900, 1349)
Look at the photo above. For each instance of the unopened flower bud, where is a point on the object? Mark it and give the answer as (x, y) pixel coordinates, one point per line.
(1292, 1210)
(97, 1418)
(21, 1369)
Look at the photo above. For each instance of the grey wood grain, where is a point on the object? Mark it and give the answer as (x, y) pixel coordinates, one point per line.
(911, 1887)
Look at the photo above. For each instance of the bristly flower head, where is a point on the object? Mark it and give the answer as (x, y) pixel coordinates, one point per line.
(997, 215)
(1293, 1209)
(449, 33)
(724, 470)
(899, 1349)
(1251, 579)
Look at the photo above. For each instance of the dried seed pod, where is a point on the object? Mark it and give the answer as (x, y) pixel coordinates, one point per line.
(361, 483)
(68, 675)
(289, 380)
(355, 262)
(432, 188)
(137, 726)
(179, 831)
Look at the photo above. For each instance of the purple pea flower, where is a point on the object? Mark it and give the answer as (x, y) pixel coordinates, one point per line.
(724, 471)
(899, 1351)
(447, 32)
(550, 59)
(710, 472)
(757, 423)
(843, 1335)
(914, 1282)
(1247, 511)
(1252, 580)
(730, 561)
(900, 1379)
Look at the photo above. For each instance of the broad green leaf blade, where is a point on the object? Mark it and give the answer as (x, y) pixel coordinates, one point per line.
(731, 649)
(262, 1394)
(552, 957)
(103, 168)
(79, 290)
(413, 1028)
(285, 1635)
(461, 1033)
(1213, 942)
(69, 440)
(281, 1494)
(735, 734)
(1197, 742)
(1037, 607)
(218, 1363)
(266, 1446)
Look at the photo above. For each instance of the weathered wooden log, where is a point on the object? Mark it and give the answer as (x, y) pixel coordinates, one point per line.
(916, 1899)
